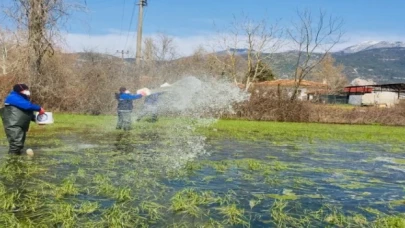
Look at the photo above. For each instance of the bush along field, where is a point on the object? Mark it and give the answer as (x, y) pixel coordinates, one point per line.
(199, 173)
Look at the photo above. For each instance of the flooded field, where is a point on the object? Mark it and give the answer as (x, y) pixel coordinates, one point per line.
(231, 174)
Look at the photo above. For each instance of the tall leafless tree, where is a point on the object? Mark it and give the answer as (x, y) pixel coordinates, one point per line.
(312, 38)
(42, 19)
(260, 39)
(158, 53)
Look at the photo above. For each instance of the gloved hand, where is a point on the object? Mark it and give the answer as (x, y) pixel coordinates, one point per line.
(41, 111)
(143, 93)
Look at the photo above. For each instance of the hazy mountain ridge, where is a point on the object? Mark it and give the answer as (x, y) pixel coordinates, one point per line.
(384, 62)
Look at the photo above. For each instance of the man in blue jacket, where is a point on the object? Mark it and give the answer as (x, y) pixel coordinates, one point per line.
(17, 114)
(125, 106)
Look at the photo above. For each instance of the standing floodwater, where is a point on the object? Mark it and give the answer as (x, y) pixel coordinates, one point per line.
(258, 174)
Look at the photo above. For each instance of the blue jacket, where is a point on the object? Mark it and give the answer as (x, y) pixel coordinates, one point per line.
(20, 101)
(125, 100)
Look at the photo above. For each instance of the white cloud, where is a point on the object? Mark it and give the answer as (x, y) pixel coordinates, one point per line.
(110, 43)
(185, 45)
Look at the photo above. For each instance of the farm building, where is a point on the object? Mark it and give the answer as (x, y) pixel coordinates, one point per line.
(386, 95)
(307, 90)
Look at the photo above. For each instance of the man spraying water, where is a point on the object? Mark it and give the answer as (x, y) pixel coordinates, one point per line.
(125, 106)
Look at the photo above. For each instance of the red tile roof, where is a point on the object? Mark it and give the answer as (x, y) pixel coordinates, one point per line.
(291, 83)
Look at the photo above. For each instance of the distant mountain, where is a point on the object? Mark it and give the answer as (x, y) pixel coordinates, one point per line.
(383, 65)
(368, 45)
(383, 62)
(237, 51)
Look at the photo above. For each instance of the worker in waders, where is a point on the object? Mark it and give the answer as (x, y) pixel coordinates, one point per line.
(125, 106)
(17, 113)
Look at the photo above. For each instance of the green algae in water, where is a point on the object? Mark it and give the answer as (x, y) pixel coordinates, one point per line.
(113, 186)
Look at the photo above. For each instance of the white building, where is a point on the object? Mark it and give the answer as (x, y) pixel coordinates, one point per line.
(386, 95)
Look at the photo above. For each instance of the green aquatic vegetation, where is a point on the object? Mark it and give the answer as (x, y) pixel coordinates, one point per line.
(273, 180)
(228, 198)
(279, 216)
(192, 167)
(188, 201)
(88, 207)
(359, 220)
(8, 200)
(253, 203)
(81, 173)
(101, 177)
(61, 214)
(253, 165)
(122, 194)
(153, 210)
(290, 196)
(68, 187)
(208, 178)
(371, 210)
(352, 185)
(230, 179)
(247, 177)
(299, 181)
(120, 215)
(397, 221)
(394, 203)
(271, 157)
(337, 219)
(221, 167)
(279, 166)
(399, 161)
(313, 196)
(375, 181)
(233, 215)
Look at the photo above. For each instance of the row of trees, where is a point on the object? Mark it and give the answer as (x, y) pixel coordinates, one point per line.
(86, 81)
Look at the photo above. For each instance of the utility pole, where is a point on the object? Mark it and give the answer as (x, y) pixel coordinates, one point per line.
(141, 4)
(122, 53)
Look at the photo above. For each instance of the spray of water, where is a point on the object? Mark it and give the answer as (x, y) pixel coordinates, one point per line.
(194, 103)
(197, 98)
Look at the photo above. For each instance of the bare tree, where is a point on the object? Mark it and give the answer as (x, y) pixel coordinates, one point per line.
(42, 19)
(159, 48)
(330, 74)
(257, 40)
(228, 42)
(3, 50)
(262, 41)
(12, 50)
(158, 53)
(313, 40)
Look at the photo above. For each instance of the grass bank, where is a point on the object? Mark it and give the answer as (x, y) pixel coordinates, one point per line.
(232, 129)
(259, 130)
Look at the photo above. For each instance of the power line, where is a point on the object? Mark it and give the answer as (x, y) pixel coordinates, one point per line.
(122, 18)
(130, 24)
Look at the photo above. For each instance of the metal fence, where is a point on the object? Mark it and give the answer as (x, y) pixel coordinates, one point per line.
(334, 99)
